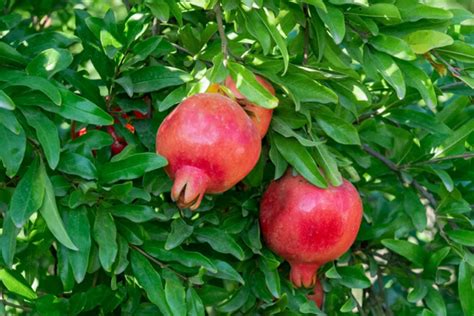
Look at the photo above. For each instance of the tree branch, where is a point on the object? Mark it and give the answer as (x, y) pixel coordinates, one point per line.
(220, 27)
(7, 303)
(432, 161)
(392, 166)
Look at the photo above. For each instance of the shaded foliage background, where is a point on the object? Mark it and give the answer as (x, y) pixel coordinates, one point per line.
(379, 92)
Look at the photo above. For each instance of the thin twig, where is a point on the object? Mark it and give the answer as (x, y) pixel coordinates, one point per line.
(220, 27)
(159, 263)
(452, 85)
(7, 303)
(181, 48)
(453, 70)
(155, 27)
(390, 164)
(427, 195)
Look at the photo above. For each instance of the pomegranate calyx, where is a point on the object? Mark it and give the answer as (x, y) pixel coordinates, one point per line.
(303, 274)
(189, 187)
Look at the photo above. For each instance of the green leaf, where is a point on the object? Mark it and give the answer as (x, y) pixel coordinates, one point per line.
(150, 280)
(109, 43)
(435, 260)
(220, 241)
(8, 240)
(34, 83)
(445, 178)
(135, 213)
(334, 19)
(15, 283)
(281, 127)
(225, 271)
(175, 97)
(152, 78)
(28, 195)
(180, 231)
(142, 50)
(270, 23)
(93, 139)
(418, 79)
(305, 89)
(5, 101)
(386, 13)
(105, 234)
(465, 288)
(406, 249)
(194, 303)
(458, 136)
(77, 224)
(435, 302)
(249, 86)
(460, 51)
(425, 40)
(393, 46)
(175, 296)
(327, 161)
(75, 164)
(413, 13)
(257, 29)
(415, 209)
(418, 293)
(13, 149)
(336, 128)
(389, 70)
(272, 278)
(47, 133)
(132, 167)
(49, 211)
(8, 119)
(49, 62)
(353, 277)
(186, 258)
(316, 3)
(463, 237)
(299, 157)
(468, 81)
(10, 55)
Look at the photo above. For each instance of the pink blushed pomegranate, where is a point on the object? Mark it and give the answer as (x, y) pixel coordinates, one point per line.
(210, 144)
(259, 115)
(307, 225)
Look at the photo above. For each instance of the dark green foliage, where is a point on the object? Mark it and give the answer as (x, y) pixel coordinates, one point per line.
(377, 92)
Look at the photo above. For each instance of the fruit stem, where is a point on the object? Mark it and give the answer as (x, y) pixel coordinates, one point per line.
(303, 274)
(189, 186)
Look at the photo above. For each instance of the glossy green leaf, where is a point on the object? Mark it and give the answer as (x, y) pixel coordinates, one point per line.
(386, 13)
(326, 160)
(459, 50)
(463, 237)
(13, 149)
(47, 134)
(194, 303)
(132, 167)
(305, 89)
(49, 62)
(249, 86)
(435, 302)
(75, 164)
(135, 213)
(9, 120)
(5, 101)
(465, 288)
(225, 271)
(406, 249)
(34, 83)
(458, 136)
(175, 296)
(418, 79)
(157, 77)
(393, 46)
(353, 277)
(150, 280)
(415, 209)
(389, 70)
(299, 157)
(105, 234)
(49, 211)
(10, 55)
(15, 283)
(78, 226)
(337, 128)
(334, 20)
(220, 241)
(29, 194)
(180, 231)
(426, 40)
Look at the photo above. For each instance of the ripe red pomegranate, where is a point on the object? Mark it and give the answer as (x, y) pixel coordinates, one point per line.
(318, 294)
(210, 143)
(260, 116)
(309, 226)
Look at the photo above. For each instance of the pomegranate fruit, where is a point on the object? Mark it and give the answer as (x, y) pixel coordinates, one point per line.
(307, 225)
(260, 116)
(317, 295)
(210, 144)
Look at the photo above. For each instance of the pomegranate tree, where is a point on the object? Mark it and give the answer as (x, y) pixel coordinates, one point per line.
(307, 225)
(210, 143)
(259, 115)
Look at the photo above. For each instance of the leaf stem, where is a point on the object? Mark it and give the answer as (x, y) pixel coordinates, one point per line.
(220, 27)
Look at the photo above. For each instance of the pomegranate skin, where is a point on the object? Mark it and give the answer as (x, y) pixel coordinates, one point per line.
(210, 144)
(309, 226)
(260, 116)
